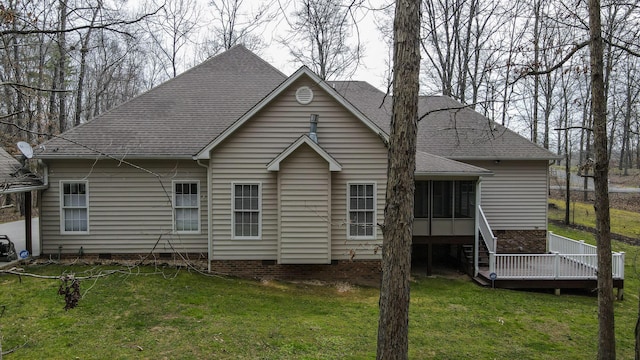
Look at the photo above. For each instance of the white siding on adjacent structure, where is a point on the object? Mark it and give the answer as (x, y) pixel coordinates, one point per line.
(515, 197)
(244, 155)
(130, 209)
(304, 189)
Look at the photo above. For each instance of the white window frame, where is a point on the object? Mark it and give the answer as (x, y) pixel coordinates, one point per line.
(63, 207)
(233, 210)
(374, 210)
(175, 206)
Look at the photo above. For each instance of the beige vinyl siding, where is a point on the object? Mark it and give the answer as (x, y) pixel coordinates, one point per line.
(129, 210)
(304, 189)
(244, 156)
(515, 197)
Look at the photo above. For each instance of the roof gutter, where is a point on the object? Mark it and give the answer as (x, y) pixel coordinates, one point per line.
(24, 189)
(209, 217)
(452, 174)
(115, 156)
(44, 186)
(495, 158)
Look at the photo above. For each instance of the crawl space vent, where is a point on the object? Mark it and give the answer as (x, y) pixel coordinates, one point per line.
(304, 95)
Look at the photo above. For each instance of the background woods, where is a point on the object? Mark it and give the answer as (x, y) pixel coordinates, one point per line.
(66, 61)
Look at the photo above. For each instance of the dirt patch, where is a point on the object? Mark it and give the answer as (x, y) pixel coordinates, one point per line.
(622, 201)
(631, 180)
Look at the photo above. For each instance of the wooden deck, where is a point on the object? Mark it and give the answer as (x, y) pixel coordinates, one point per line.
(533, 274)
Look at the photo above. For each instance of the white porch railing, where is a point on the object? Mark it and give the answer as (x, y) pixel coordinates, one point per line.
(568, 259)
(487, 234)
(573, 249)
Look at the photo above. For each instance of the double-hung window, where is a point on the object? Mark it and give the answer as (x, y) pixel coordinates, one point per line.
(246, 210)
(74, 207)
(362, 210)
(186, 206)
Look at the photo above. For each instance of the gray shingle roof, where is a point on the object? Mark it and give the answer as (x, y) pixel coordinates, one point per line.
(455, 133)
(179, 117)
(8, 166)
(434, 165)
(465, 134)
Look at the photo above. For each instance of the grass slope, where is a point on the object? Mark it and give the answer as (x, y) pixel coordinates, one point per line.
(183, 315)
(623, 222)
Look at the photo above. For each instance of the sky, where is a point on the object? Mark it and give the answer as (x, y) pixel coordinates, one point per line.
(373, 64)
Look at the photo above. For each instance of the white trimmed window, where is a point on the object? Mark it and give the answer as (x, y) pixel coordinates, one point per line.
(246, 210)
(74, 207)
(186, 206)
(361, 202)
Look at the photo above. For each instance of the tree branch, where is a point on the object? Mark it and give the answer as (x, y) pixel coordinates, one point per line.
(106, 26)
(623, 48)
(15, 84)
(10, 115)
(457, 108)
(556, 66)
(573, 128)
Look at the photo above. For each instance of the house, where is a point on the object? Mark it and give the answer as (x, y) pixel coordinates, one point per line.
(264, 174)
(17, 179)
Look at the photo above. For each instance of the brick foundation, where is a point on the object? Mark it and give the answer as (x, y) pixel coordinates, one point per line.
(521, 241)
(358, 271)
(366, 272)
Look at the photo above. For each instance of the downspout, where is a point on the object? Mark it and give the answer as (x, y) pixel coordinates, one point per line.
(45, 174)
(209, 206)
(45, 184)
(476, 247)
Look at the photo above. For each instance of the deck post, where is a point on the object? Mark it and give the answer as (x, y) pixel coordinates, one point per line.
(556, 264)
(28, 231)
(429, 259)
(492, 262)
(621, 265)
(476, 240)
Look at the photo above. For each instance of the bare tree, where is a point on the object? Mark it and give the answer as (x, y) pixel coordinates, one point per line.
(319, 38)
(45, 53)
(393, 325)
(235, 22)
(631, 95)
(457, 36)
(84, 49)
(171, 31)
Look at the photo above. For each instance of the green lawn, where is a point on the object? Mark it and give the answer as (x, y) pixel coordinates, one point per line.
(186, 315)
(183, 315)
(623, 222)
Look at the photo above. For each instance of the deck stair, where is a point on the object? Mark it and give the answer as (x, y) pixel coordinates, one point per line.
(467, 258)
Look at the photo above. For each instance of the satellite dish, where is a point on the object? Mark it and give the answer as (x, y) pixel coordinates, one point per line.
(25, 149)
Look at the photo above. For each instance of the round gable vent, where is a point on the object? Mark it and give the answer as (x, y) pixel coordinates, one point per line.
(304, 95)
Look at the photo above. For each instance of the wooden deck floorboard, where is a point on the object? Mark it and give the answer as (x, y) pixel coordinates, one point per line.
(588, 279)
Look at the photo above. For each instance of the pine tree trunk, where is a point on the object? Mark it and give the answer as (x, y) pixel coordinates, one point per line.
(606, 335)
(393, 326)
(61, 67)
(536, 67)
(83, 66)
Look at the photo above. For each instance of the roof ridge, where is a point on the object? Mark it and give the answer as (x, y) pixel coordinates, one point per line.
(232, 50)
